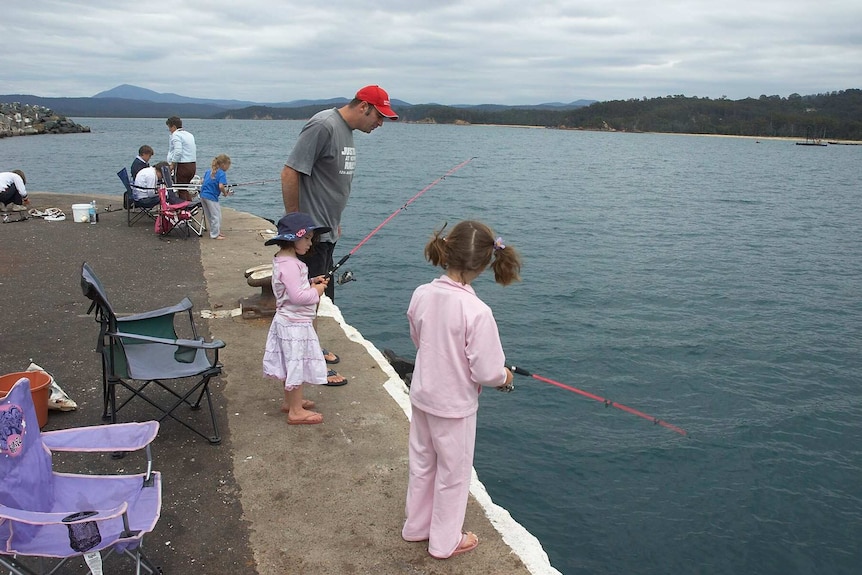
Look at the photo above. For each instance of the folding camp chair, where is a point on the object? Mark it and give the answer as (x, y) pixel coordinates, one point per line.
(197, 222)
(143, 350)
(47, 516)
(135, 209)
(173, 217)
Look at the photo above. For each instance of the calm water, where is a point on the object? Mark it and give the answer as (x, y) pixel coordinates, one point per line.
(710, 282)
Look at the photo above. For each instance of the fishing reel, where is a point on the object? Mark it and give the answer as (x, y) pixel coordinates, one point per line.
(346, 277)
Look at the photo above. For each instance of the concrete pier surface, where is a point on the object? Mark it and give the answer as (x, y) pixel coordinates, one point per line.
(271, 498)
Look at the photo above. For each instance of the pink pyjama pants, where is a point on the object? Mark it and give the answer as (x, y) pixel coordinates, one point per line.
(441, 465)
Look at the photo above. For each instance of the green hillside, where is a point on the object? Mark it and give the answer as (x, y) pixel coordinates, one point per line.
(834, 115)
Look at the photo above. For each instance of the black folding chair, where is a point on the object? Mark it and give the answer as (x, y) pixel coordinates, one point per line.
(135, 209)
(143, 349)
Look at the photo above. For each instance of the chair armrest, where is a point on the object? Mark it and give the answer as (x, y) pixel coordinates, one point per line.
(178, 206)
(97, 438)
(56, 518)
(193, 343)
(184, 305)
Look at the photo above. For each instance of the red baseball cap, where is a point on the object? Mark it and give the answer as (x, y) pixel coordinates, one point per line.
(377, 97)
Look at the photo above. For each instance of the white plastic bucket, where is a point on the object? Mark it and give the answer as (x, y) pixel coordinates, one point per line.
(81, 213)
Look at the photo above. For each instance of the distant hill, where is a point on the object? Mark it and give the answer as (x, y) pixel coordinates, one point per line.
(128, 101)
(115, 107)
(129, 92)
(833, 115)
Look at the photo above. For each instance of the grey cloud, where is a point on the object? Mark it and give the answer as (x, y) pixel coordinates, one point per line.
(447, 52)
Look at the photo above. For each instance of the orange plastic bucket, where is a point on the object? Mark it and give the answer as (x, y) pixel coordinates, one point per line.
(39, 382)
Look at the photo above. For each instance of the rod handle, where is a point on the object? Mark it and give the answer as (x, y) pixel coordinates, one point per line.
(336, 266)
(518, 370)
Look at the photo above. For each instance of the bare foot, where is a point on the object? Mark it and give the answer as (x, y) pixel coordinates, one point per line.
(469, 541)
(305, 417)
(306, 404)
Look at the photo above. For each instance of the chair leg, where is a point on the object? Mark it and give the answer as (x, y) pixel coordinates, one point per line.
(141, 560)
(201, 388)
(111, 400)
(215, 439)
(104, 387)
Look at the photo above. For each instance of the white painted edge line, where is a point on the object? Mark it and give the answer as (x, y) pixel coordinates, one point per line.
(523, 543)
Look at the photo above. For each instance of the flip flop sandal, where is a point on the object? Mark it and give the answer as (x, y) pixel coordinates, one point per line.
(306, 404)
(58, 218)
(37, 213)
(333, 373)
(330, 361)
(312, 419)
(467, 543)
(53, 212)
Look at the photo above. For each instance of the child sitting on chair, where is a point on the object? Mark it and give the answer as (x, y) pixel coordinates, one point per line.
(146, 185)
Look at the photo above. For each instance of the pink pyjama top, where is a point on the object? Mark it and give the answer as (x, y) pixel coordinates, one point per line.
(459, 348)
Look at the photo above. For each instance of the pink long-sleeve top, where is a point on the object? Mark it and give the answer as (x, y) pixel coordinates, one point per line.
(458, 345)
(295, 299)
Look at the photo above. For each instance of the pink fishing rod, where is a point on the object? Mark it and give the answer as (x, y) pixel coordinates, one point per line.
(395, 213)
(607, 402)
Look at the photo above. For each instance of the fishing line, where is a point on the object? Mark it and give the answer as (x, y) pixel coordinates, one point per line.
(607, 402)
(395, 213)
(253, 183)
(230, 187)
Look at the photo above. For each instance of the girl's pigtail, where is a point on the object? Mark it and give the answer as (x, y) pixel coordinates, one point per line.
(435, 250)
(506, 263)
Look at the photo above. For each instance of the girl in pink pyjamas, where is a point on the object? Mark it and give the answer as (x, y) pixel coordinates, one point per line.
(459, 351)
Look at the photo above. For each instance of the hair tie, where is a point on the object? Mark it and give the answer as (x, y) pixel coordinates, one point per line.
(498, 244)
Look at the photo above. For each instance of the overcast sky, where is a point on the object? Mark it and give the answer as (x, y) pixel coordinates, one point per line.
(422, 51)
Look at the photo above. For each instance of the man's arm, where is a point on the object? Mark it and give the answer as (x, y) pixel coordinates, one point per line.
(174, 147)
(22, 189)
(290, 189)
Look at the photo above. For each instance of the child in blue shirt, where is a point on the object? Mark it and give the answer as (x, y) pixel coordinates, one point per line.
(215, 185)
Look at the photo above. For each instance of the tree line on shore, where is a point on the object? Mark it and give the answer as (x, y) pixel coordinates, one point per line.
(834, 115)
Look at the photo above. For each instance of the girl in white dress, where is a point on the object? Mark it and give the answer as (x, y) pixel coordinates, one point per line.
(293, 354)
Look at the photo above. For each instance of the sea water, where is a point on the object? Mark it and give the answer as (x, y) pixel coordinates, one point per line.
(710, 282)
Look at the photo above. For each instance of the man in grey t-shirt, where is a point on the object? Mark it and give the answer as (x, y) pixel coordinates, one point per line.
(317, 175)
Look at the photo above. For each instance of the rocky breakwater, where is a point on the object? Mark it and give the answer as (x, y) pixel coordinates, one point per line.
(28, 120)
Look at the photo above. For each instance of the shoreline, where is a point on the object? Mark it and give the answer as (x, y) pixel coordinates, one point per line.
(832, 142)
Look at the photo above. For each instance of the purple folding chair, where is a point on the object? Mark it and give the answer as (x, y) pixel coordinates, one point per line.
(49, 515)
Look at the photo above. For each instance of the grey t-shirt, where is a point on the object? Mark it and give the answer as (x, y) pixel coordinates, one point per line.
(325, 156)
